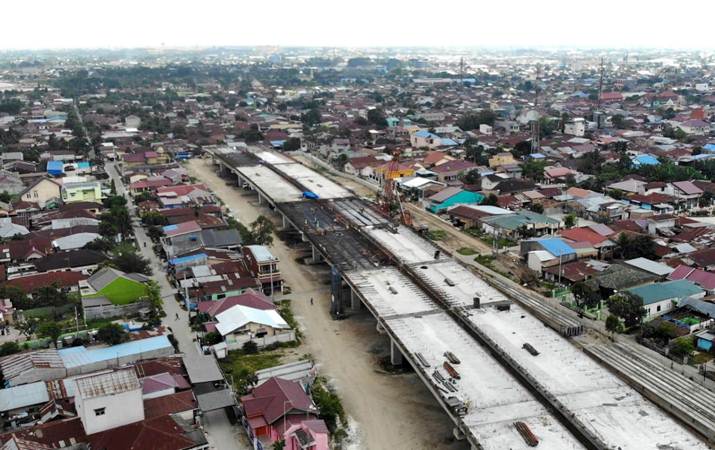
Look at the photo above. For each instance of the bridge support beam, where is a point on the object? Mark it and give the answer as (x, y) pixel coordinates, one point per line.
(379, 328)
(395, 354)
(458, 435)
(260, 198)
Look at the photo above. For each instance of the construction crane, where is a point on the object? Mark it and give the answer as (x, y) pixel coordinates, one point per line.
(390, 201)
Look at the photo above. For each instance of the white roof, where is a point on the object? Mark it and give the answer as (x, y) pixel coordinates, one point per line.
(73, 241)
(650, 266)
(417, 182)
(239, 316)
(23, 396)
(543, 255)
(488, 209)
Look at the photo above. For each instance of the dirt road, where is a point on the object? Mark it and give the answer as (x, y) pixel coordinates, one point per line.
(389, 411)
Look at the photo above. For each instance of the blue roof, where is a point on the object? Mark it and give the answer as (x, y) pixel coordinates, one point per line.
(169, 228)
(425, 133)
(55, 167)
(80, 356)
(709, 147)
(448, 141)
(670, 290)
(188, 259)
(556, 247)
(83, 164)
(278, 143)
(648, 160)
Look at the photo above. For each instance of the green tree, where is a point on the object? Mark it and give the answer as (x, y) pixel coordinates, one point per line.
(570, 221)
(628, 307)
(9, 348)
(50, 330)
(586, 295)
(125, 258)
(311, 117)
(331, 409)
(279, 444)
(640, 246)
(50, 296)
(537, 208)
(291, 144)
(377, 117)
(491, 200)
(682, 346)
(153, 294)
(262, 231)
(112, 334)
(212, 338)
(249, 348)
(613, 324)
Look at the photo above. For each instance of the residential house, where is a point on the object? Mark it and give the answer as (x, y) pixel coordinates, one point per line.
(659, 298)
(264, 266)
(695, 127)
(238, 324)
(451, 196)
(451, 171)
(116, 286)
(502, 159)
(273, 408)
(85, 191)
(43, 192)
(704, 279)
(687, 194)
(181, 238)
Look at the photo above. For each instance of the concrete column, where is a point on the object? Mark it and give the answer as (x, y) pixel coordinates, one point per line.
(317, 257)
(458, 435)
(355, 302)
(395, 354)
(260, 198)
(285, 221)
(379, 328)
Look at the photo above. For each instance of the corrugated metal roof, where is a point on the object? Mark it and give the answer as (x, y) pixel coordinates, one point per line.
(23, 396)
(650, 266)
(239, 315)
(556, 247)
(79, 356)
(657, 292)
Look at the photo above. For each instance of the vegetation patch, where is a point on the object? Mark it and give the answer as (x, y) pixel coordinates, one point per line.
(241, 367)
(466, 251)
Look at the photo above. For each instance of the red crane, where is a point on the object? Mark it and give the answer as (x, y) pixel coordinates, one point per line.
(390, 201)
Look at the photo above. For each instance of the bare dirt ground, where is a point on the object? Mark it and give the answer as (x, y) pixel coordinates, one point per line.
(388, 411)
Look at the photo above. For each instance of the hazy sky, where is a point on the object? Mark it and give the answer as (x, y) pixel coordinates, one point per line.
(568, 23)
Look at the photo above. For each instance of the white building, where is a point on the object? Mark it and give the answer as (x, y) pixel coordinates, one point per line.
(575, 127)
(109, 400)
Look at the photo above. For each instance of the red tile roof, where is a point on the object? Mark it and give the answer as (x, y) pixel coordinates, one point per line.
(159, 433)
(170, 404)
(179, 190)
(273, 398)
(583, 234)
(250, 298)
(703, 258)
(32, 283)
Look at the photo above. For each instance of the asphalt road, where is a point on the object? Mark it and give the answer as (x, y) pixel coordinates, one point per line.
(219, 431)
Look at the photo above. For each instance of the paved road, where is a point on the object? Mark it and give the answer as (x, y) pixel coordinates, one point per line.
(219, 432)
(91, 153)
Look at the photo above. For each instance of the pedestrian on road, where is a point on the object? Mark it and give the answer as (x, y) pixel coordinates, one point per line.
(311, 300)
(144, 243)
(177, 316)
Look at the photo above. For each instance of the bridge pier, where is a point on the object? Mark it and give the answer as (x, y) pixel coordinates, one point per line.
(457, 433)
(316, 256)
(260, 198)
(355, 302)
(380, 329)
(395, 354)
(286, 225)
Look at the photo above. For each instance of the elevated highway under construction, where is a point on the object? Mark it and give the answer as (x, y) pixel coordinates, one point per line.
(505, 379)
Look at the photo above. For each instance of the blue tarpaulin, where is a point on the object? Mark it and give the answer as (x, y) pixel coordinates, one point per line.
(310, 195)
(55, 167)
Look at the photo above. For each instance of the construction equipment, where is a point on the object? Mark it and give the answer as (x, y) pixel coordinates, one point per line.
(390, 201)
(450, 370)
